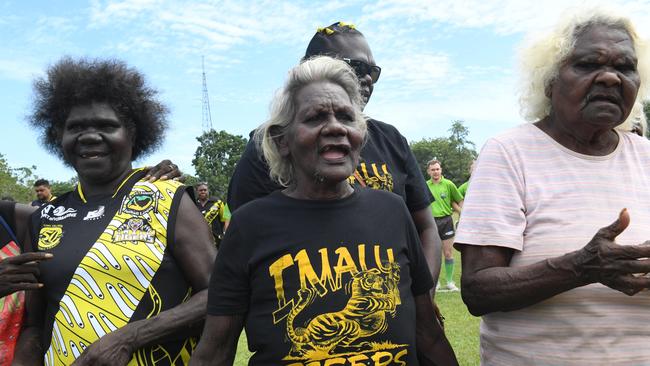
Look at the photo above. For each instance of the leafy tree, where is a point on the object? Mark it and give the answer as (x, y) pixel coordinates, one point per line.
(16, 182)
(216, 157)
(58, 187)
(455, 153)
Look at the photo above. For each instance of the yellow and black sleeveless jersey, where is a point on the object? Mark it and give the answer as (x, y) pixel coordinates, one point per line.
(112, 265)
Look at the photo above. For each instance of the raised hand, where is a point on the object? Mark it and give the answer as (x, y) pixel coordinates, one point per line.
(20, 272)
(163, 171)
(613, 265)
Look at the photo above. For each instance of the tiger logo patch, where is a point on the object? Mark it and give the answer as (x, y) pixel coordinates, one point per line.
(139, 203)
(50, 236)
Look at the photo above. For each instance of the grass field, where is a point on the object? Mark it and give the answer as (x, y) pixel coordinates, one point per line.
(461, 327)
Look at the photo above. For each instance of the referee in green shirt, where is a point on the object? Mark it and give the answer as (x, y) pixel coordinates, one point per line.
(447, 200)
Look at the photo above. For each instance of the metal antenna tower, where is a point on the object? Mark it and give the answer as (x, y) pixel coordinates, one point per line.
(207, 116)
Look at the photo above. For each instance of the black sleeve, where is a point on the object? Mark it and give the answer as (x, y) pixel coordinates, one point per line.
(251, 178)
(229, 291)
(421, 278)
(418, 195)
(33, 230)
(8, 213)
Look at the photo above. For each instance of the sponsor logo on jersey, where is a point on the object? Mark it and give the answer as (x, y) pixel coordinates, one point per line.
(134, 229)
(58, 213)
(95, 214)
(50, 236)
(139, 203)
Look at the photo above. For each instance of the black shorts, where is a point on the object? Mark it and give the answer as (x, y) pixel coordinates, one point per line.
(445, 227)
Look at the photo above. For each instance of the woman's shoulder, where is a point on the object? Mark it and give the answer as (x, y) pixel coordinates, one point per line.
(639, 145)
(517, 133)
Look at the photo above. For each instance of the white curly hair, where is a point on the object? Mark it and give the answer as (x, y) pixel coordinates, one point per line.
(541, 61)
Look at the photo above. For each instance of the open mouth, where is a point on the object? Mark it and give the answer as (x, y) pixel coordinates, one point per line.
(92, 155)
(334, 152)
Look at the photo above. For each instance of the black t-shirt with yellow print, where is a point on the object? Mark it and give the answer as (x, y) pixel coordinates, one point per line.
(113, 264)
(387, 163)
(323, 282)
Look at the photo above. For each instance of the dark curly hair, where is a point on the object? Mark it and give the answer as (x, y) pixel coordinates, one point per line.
(71, 83)
(321, 42)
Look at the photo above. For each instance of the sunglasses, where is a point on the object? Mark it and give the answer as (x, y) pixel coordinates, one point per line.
(362, 69)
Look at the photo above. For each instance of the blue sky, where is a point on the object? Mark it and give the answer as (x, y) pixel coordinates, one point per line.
(441, 60)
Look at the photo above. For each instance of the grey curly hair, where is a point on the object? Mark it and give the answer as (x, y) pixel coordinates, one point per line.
(283, 109)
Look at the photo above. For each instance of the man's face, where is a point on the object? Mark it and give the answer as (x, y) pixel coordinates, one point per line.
(435, 171)
(355, 48)
(42, 193)
(202, 192)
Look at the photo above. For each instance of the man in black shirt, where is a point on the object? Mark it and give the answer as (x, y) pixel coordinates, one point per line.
(43, 193)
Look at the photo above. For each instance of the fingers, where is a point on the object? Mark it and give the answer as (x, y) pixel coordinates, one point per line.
(163, 171)
(27, 286)
(628, 266)
(28, 257)
(628, 284)
(19, 278)
(617, 227)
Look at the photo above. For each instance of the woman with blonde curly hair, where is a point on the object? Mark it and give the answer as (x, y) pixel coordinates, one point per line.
(553, 288)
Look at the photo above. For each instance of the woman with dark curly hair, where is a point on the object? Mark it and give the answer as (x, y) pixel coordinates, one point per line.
(131, 258)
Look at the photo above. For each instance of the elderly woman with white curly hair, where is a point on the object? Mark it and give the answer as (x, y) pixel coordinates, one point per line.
(558, 283)
(307, 270)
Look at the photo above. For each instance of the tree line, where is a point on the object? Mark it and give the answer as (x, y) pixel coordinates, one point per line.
(218, 152)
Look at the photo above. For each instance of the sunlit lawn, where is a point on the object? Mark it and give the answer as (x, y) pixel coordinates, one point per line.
(461, 327)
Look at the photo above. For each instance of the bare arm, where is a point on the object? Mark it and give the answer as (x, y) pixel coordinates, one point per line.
(431, 244)
(22, 213)
(29, 350)
(433, 348)
(195, 254)
(489, 285)
(218, 344)
(457, 206)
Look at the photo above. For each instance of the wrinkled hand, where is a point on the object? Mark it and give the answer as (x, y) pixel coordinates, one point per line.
(113, 349)
(613, 265)
(163, 171)
(19, 272)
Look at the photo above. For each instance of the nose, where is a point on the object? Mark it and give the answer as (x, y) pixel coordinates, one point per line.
(90, 136)
(608, 77)
(365, 80)
(334, 127)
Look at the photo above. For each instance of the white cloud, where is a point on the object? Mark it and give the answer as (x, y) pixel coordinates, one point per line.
(503, 16)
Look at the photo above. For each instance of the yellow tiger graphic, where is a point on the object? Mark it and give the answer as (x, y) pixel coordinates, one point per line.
(373, 294)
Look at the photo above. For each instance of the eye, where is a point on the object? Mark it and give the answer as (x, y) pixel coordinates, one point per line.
(73, 127)
(108, 126)
(626, 67)
(587, 65)
(344, 117)
(314, 118)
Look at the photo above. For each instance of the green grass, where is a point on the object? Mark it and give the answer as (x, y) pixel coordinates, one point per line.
(460, 326)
